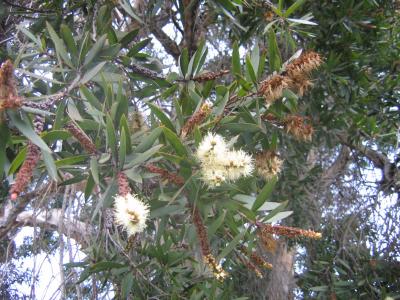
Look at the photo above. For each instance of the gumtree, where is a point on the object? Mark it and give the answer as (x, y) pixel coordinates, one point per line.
(167, 139)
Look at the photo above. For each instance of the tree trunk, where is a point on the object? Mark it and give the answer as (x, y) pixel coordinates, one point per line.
(281, 281)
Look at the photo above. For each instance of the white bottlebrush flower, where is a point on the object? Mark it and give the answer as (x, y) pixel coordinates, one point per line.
(211, 147)
(131, 213)
(238, 164)
(214, 176)
(219, 163)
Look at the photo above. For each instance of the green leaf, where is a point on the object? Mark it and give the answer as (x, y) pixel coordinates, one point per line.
(92, 72)
(280, 5)
(50, 165)
(69, 40)
(4, 138)
(264, 194)
(276, 210)
(129, 37)
(231, 245)
(94, 169)
(142, 157)
(250, 69)
(212, 229)
(242, 127)
(18, 160)
(162, 117)
(165, 211)
(184, 62)
(127, 283)
(196, 59)
(105, 265)
(55, 135)
(58, 121)
(94, 51)
(138, 46)
(89, 187)
(122, 148)
(274, 56)
(279, 216)
(175, 142)
(59, 44)
(236, 67)
(111, 140)
(294, 7)
(72, 160)
(220, 105)
(321, 288)
(26, 129)
(149, 140)
(88, 95)
(123, 125)
(255, 58)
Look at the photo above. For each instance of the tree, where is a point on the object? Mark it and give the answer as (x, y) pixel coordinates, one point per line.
(171, 167)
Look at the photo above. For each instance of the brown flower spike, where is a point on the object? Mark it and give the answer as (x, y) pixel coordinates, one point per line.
(196, 119)
(255, 258)
(25, 172)
(82, 138)
(8, 91)
(208, 258)
(32, 158)
(290, 232)
(210, 75)
(123, 184)
(174, 178)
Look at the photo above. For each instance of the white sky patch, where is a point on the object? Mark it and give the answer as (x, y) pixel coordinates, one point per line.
(46, 268)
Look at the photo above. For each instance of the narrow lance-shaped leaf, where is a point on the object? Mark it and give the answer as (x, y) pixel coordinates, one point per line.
(94, 50)
(59, 44)
(273, 52)
(165, 120)
(236, 68)
(27, 130)
(122, 148)
(92, 72)
(264, 194)
(123, 125)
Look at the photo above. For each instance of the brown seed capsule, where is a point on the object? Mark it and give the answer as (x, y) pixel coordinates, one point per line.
(196, 119)
(210, 75)
(303, 65)
(268, 164)
(174, 178)
(82, 138)
(297, 126)
(205, 249)
(290, 232)
(25, 172)
(123, 184)
(272, 87)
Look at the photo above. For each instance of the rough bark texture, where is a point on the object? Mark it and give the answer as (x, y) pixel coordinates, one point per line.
(281, 278)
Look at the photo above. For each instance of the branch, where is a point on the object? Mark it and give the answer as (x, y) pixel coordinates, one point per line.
(14, 216)
(189, 25)
(335, 169)
(390, 172)
(169, 45)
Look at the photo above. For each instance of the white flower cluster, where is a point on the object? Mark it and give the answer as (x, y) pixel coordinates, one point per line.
(131, 213)
(219, 163)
